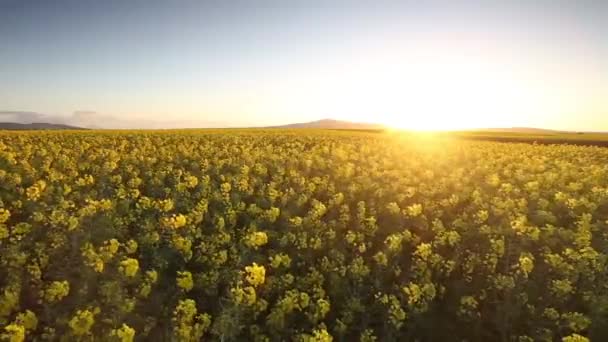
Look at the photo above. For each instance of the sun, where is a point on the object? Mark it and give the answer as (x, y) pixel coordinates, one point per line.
(436, 90)
(455, 95)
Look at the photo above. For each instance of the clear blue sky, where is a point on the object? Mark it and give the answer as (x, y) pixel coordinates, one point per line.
(409, 63)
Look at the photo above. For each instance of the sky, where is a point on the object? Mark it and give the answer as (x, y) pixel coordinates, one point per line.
(410, 64)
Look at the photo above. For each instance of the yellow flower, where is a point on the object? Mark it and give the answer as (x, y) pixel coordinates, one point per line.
(225, 188)
(482, 216)
(320, 335)
(423, 251)
(184, 280)
(362, 248)
(131, 246)
(56, 291)
(82, 322)
(28, 320)
(98, 265)
(381, 258)
(256, 275)
(561, 288)
(152, 276)
(244, 295)
(526, 264)
(191, 181)
(279, 260)
(414, 210)
(13, 333)
(33, 192)
(109, 249)
(256, 239)
(179, 221)
(175, 221)
(129, 267)
(4, 215)
(91, 257)
(165, 205)
(575, 338)
(394, 242)
(3, 232)
(124, 333)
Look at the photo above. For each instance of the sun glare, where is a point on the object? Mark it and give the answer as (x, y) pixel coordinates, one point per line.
(454, 95)
(433, 89)
(423, 92)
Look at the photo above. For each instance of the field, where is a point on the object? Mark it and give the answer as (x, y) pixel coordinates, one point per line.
(542, 137)
(272, 235)
(545, 138)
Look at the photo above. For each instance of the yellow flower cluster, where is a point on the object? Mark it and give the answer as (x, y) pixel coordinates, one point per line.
(4, 215)
(184, 280)
(35, 191)
(82, 322)
(280, 260)
(414, 210)
(129, 267)
(526, 264)
(245, 295)
(92, 258)
(256, 239)
(56, 291)
(123, 334)
(188, 325)
(256, 275)
(175, 221)
(191, 181)
(13, 333)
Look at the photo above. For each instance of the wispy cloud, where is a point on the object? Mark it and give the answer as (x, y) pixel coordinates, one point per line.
(26, 117)
(92, 119)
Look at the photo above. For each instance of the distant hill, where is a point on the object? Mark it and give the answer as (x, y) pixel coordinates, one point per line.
(339, 124)
(34, 126)
(332, 124)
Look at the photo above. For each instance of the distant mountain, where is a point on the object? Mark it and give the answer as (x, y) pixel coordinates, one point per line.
(332, 124)
(34, 126)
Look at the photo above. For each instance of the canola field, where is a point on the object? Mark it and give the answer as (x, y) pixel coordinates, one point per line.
(285, 235)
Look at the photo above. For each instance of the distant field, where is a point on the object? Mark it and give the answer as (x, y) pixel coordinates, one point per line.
(543, 137)
(549, 137)
(590, 139)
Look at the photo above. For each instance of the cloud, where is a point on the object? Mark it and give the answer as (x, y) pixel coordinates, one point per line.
(92, 119)
(25, 117)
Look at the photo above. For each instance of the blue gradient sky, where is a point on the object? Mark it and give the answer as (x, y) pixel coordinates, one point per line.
(431, 64)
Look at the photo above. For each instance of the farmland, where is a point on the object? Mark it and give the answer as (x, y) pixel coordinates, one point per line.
(270, 235)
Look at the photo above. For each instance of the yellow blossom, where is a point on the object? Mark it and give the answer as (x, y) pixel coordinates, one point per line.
(13, 333)
(184, 280)
(256, 239)
(414, 210)
(82, 322)
(4, 215)
(56, 291)
(124, 334)
(256, 275)
(129, 267)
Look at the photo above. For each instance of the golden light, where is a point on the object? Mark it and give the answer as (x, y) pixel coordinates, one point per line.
(428, 90)
(452, 94)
